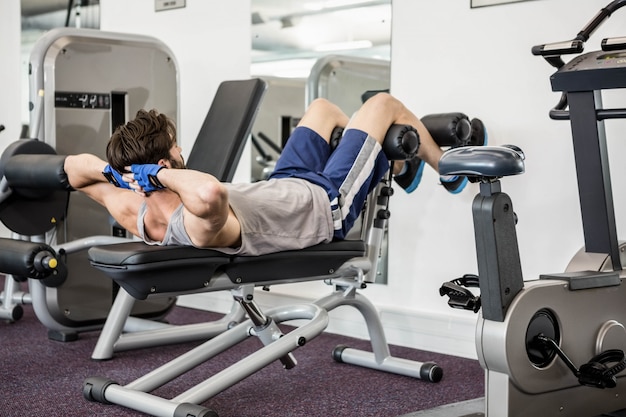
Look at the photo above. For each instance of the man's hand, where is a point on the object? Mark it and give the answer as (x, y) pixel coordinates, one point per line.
(146, 176)
(114, 177)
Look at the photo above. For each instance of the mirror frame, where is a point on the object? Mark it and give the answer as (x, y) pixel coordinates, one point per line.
(483, 3)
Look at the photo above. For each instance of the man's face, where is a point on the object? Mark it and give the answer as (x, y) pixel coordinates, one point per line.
(176, 158)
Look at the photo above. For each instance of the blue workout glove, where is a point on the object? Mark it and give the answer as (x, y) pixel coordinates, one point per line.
(146, 176)
(114, 177)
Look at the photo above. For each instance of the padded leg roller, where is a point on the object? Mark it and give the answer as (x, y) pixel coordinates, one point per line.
(401, 142)
(335, 137)
(36, 197)
(449, 129)
(35, 175)
(27, 259)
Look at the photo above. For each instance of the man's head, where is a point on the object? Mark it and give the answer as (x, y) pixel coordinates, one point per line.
(147, 139)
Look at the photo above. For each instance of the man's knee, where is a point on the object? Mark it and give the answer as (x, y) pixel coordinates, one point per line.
(324, 106)
(323, 116)
(381, 99)
(382, 104)
(318, 103)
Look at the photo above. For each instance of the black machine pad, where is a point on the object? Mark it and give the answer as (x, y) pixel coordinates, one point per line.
(143, 270)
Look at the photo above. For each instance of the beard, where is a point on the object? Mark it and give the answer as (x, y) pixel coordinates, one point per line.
(178, 164)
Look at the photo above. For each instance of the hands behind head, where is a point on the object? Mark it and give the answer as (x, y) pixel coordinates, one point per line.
(146, 176)
(114, 177)
(142, 178)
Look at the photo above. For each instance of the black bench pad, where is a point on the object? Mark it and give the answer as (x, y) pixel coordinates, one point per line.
(144, 269)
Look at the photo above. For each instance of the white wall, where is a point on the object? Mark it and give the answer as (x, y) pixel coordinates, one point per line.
(10, 70)
(211, 43)
(446, 57)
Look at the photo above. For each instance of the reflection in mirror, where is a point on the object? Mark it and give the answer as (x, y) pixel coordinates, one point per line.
(38, 17)
(288, 39)
(336, 49)
(483, 3)
(287, 35)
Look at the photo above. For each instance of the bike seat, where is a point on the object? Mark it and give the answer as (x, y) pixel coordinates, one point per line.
(482, 161)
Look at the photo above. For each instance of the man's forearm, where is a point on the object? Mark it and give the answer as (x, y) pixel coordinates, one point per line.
(84, 169)
(201, 193)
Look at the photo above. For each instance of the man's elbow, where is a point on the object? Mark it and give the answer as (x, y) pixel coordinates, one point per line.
(70, 166)
(214, 196)
(83, 170)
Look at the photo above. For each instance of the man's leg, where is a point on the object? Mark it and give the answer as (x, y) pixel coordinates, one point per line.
(307, 149)
(381, 111)
(323, 117)
(358, 164)
(408, 174)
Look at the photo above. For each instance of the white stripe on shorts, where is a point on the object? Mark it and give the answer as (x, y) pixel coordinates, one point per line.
(359, 173)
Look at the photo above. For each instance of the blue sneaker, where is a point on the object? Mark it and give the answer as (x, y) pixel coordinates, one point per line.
(411, 175)
(453, 183)
(456, 183)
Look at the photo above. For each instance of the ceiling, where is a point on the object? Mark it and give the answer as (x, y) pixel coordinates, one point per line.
(311, 27)
(281, 29)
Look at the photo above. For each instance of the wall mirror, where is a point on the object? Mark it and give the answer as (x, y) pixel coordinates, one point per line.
(38, 17)
(483, 3)
(304, 49)
(290, 36)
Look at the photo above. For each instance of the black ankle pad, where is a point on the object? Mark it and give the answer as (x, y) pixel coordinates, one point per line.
(449, 129)
(335, 137)
(33, 169)
(401, 142)
(36, 176)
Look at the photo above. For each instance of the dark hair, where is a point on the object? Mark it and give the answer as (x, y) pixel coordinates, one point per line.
(146, 139)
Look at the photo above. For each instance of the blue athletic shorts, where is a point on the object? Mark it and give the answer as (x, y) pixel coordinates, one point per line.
(348, 174)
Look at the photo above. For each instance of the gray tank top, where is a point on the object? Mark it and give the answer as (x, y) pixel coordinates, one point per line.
(175, 233)
(275, 215)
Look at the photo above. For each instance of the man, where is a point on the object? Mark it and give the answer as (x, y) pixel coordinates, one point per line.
(313, 196)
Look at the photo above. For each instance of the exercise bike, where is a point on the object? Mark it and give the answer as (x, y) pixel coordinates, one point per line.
(553, 346)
